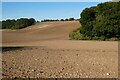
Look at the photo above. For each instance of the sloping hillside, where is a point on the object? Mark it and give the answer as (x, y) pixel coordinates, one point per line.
(41, 31)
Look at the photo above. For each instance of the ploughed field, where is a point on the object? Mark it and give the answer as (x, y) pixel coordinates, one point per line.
(45, 51)
(41, 31)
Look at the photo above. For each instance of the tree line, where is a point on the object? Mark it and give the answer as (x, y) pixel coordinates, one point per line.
(101, 22)
(0, 24)
(67, 19)
(25, 22)
(17, 24)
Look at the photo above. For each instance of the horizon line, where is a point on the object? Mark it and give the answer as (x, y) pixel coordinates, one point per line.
(36, 19)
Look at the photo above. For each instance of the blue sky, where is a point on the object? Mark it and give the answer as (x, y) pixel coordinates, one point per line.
(44, 10)
(55, 0)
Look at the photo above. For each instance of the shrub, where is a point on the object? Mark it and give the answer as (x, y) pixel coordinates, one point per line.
(100, 22)
(103, 38)
(17, 24)
(76, 35)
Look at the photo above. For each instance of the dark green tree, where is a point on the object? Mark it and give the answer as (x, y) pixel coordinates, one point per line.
(17, 24)
(100, 22)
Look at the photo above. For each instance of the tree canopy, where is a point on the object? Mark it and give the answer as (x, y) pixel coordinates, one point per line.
(100, 22)
(51, 20)
(17, 24)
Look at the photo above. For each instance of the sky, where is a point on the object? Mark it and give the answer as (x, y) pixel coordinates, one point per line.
(44, 10)
(55, 0)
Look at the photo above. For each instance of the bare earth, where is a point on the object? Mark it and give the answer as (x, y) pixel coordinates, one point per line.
(45, 51)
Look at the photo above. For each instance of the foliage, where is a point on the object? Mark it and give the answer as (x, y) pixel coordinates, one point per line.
(71, 19)
(62, 20)
(100, 22)
(17, 24)
(0, 24)
(51, 20)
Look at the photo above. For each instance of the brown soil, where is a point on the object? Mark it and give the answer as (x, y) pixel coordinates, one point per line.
(47, 52)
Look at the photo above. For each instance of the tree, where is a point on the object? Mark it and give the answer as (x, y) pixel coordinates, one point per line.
(101, 21)
(66, 19)
(17, 24)
(62, 20)
(71, 19)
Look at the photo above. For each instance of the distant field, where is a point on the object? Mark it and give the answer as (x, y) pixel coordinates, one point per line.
(41, 31)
